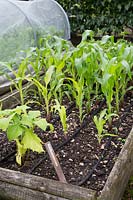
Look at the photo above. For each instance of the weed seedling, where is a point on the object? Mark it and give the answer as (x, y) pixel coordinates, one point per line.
(19, 126)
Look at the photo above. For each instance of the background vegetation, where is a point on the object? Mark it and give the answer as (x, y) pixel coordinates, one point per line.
(107, 16)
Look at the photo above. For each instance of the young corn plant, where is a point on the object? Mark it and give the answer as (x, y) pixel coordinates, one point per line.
(54, 50)
(107, 81)
(87, 65)
(78, 93)
(126, 72)
(62, 113)
(57, 84)
(120, 55)
(19, 77)
(51, 85)
(107, 84)
(85, 61)
(122, 74)
(34, 58)
(19, 125)
(119, 67)
(43, 88)
(100, 122)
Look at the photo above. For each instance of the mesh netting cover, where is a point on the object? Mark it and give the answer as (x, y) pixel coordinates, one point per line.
(23, 22)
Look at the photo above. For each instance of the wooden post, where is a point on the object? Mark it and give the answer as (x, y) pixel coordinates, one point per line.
(55, 162)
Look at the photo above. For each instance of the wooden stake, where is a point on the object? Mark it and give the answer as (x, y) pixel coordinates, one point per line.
(55, 162)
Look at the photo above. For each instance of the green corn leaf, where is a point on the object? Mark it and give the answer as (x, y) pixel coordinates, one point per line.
(107, 38)
(125, 65)
(75, 84)
(106, 78)
(62, 114)
(126, 52)
(48, 74)
(37, 83)
(102, 114)
(63, 118)
(129, 88)
(86, 34)
(110, 134)
(78, 62)
(60, 66)
(111, 115)
(32, 141)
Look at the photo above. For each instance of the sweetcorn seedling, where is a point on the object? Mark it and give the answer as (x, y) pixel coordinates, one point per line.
(78, 94)
(19, 124)
(19, 77)
(62, 113)
(100, 122)
(43, 88)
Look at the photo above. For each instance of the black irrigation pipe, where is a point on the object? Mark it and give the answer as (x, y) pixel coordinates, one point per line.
(7, 156)
(88, 176)
(90, 173)
(91, 114)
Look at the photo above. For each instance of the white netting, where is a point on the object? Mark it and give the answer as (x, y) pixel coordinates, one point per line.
(23, 22)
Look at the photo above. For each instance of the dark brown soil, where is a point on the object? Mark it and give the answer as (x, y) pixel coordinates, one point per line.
(83, 160)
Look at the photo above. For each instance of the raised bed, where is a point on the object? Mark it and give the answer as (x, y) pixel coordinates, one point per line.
(19, 186)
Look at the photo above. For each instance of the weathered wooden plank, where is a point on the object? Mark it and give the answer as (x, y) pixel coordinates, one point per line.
(14, 192)
(29, 182)
(12, 99)
(120, 174)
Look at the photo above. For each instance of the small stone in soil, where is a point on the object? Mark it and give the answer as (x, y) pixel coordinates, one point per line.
(120, 129)
(105, 161)
(95, 156)
(89, 145)
(102, 146)
(81, 164)
(72, 140)
(71, 173)
(81, 173)
(55, 136)
(72, 179)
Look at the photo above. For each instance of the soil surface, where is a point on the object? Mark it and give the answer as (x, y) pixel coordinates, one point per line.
(83, 160)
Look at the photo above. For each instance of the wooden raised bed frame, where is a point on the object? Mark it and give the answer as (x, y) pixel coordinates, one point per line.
(19, 186)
